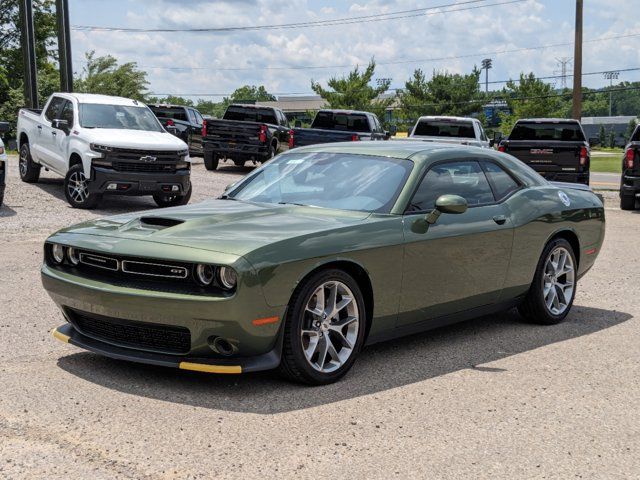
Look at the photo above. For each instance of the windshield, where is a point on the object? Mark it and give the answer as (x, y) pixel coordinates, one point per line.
(330, 180)
(434, 128)
(564, 132)
(346, 122)
(122, 117)
(250, 114)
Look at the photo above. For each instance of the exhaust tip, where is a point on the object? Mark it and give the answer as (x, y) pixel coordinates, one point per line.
(221, 345)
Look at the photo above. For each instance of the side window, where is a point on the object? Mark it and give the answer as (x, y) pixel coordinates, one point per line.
(483, 136)
(67, 113)
(503, 184)
(464, 178)
(54, 109)
(283, 118)
(192, 116)
(198, 117)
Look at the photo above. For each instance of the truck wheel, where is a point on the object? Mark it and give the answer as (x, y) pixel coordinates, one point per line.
(551, 294)
(627, 202)
(77, 191)
(211, 161)
(164, 201)
(29, 170)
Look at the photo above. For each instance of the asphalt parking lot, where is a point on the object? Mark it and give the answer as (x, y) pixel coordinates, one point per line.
(490, 398)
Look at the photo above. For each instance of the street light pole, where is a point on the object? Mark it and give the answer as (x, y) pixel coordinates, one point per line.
(487, 63)
(611, 76)
(577, 64)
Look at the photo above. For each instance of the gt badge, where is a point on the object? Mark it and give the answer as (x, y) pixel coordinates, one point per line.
(564, 198)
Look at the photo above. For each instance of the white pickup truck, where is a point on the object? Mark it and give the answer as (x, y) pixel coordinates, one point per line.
(103, 145)
(459, 130)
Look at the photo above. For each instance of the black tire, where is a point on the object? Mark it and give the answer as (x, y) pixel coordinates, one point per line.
(294, 364)
(211, 161)
(164, 201)
(1, 198)
(29, 170)
(77, 194)
(627, 202)
(534, 308)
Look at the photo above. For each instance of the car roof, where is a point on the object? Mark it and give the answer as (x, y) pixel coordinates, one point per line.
(391, 148)
(446, 117)
(344, 112)
(101, 99)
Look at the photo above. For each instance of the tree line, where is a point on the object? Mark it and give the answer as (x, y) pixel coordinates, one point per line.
(443, 93)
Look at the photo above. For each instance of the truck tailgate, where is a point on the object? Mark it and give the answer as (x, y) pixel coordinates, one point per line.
(547, 156)
(228, 133)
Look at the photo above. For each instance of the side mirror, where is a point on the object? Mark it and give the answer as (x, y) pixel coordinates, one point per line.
(453, 204)
(297, 124)
(61, 125)
(393, 129)
(4, 127)
(497, 137)
(492, 142)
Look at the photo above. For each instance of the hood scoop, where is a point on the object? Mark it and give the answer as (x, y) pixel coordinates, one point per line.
(160, 222)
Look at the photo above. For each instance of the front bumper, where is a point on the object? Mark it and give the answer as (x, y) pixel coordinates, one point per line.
(137, 184)
(267, 361)
(255, 345)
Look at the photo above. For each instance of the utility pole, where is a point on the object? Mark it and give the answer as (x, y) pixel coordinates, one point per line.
(563, 62)
(487, 63)
(577, 64)
(28, 40)
(64, 45)
(611, 76)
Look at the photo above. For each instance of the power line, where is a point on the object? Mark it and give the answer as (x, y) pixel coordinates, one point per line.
(319, 23)
(395, 62)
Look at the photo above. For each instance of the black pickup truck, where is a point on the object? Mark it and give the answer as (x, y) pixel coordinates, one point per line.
(630, 182)
(331, 126)
(245, 132)
(556, 148)
(183, 122)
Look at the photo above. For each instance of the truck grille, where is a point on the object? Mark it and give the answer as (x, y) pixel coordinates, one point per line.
(129, 334)
(133, 167)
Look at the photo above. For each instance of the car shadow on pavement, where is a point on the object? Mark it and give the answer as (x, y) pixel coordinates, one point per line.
(384, 366)
(109, 205)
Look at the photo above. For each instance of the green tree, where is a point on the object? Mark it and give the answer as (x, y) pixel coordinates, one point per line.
(251, 93)
(171, 100)
(207, 107)
(602, 136)
(530, 97)
(104, 75)
(11, 65)
(354, 91)
(612, 139)
(630, 129)
(444, 94)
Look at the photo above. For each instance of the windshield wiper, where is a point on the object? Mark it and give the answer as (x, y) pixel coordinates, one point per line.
(226, 197)
(292, 203)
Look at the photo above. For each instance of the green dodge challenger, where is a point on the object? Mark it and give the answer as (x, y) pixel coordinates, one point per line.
(321, 251)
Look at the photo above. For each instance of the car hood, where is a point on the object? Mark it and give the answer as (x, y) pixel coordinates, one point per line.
(224, 226)
(138, 139)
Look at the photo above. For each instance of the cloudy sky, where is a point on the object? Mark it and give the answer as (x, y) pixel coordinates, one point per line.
(217, 63)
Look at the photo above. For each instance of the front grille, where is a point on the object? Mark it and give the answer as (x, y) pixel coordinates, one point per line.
(129, 334)
(133, 167)
(125, 154)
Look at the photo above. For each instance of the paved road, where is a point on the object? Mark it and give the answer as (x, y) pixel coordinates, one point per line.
(608, 181)
(492, 398)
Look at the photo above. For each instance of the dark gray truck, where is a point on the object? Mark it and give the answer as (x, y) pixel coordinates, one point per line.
(630, 182)
(556, 148)
(245, 132)
(331, 126)
(183, 122)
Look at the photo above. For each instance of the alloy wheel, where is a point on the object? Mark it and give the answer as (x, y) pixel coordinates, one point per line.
(558, 281)
(77, 187)
(330, 326)
(23, 162)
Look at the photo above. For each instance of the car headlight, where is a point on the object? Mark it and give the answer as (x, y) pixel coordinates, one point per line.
(227, 277)
(101, 163)
(57, 253)
(100, 148)
(205, 274)
(72, 255)
(183, 153)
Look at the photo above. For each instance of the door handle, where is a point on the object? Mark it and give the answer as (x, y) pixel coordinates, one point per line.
(500, 219)
(39, 127)
(54, 134)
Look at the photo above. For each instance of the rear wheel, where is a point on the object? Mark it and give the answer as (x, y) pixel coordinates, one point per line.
(627, 202)
(551, 294)
(173, 200)
(211, 161)
(76, 189)
(29, 170)
(324, 328)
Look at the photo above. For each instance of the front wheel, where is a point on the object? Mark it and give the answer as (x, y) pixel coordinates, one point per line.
(551, 294)
(324, 328)
(76, 189)
(172, 200)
